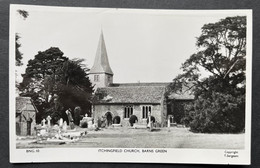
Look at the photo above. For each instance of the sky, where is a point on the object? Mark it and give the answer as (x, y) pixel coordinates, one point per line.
(142, 45)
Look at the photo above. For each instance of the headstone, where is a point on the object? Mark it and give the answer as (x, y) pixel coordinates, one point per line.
(43, 122)
(149, 120)
(61, 122)
(169, 122)
(90, 123)
(103, 122)
(77, 112)
(43, 132)
(72, 126)
(64, 126)
(49, 121)
(68, 112)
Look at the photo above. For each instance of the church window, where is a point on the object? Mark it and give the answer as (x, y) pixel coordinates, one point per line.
(96, 78)
(146, 110)
(128, 111)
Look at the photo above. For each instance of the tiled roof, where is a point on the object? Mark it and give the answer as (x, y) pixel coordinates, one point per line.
(163, 84)
(24, 104)
(181, 96)
(132, 94)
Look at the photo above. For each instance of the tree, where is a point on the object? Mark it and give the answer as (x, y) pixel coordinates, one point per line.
(18, 54)
(23, 13)
(56, 83)
(41, 72)
(75, 88)
(222, 55)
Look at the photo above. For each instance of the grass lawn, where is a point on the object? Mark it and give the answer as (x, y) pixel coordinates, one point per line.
(142, 138)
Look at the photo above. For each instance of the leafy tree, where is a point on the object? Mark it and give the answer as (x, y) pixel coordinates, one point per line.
(18, 54)
(56, 83)
(75, 88)
(41, 73)
(222, 55)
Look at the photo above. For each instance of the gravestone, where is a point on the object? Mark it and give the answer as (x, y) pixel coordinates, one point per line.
(64, 126)
(90, 124)
(77, 112)
(61, 122)
(43, 122)
(49, 121)
(169, 122)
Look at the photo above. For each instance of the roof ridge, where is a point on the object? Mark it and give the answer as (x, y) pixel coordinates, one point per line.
(114, 87)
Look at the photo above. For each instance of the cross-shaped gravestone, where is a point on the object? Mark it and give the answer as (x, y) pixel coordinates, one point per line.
(49, 121)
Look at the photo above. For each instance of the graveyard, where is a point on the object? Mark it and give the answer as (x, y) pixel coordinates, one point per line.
(55, 136)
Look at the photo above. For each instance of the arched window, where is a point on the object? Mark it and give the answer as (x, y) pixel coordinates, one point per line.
(128, 111)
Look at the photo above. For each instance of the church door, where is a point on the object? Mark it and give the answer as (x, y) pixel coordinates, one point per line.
(109, 118)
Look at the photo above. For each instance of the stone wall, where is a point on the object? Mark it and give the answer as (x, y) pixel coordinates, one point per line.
(158, 111)
(21, 124)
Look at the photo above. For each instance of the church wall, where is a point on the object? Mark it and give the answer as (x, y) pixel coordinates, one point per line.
(118, 110)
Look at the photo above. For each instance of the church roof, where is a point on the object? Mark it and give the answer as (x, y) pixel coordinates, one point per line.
(24, 104)
(101, 63)
(139, 84)
(131, 94)
(181, 96)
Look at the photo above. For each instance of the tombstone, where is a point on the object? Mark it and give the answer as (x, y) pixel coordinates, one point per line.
(169, 122)
(149, 120)
(43, 122)
(49, 121)
(150, 123)
(43, 132)
(61, 122)
(64, 126)
(77, 112)
(72, 126)
(90, 123)
(68, 112)
(103, 122)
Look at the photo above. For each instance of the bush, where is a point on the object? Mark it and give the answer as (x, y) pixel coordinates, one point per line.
(116, 120)
(223, 113)
(84, 124)
(133, 119)
(152, 118)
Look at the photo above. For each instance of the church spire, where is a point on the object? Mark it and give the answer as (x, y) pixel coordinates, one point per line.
(101, 63)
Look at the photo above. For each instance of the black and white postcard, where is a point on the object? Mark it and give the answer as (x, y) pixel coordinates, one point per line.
(130, 85)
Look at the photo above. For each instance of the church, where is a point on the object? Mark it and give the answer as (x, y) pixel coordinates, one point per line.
(117, 102)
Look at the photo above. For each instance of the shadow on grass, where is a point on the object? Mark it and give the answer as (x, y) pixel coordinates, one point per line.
(156, 130)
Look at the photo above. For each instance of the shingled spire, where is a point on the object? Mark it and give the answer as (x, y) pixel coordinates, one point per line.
(101, 75)
(101, 64)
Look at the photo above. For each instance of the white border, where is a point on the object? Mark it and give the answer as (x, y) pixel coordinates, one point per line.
(204, 156)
